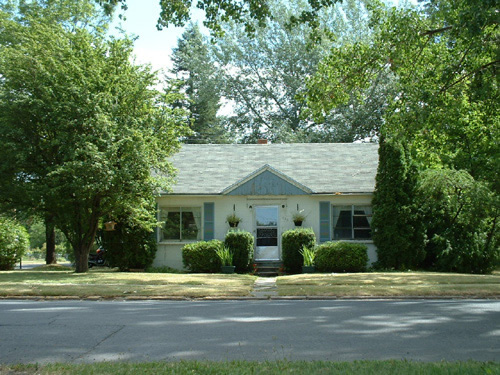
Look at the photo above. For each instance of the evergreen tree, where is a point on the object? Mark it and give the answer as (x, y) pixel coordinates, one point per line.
(194, 66)
(397, 229)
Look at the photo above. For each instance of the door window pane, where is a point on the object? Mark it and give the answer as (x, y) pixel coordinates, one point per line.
(267, 216)
(267, 237)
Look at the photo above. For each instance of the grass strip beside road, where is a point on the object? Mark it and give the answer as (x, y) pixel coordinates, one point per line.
(106, 284)
(390, 284)
(391, 367)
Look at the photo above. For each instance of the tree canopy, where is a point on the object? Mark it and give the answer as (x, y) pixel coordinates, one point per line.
(246, 12)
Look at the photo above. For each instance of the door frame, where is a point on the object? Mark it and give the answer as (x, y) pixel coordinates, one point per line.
(278, 242)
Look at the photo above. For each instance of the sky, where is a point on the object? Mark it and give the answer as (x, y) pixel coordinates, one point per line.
(152, 46)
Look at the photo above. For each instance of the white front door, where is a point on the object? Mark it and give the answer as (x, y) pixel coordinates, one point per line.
(266, 224)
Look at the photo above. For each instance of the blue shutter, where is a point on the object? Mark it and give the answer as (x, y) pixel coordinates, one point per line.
(208, 221)
(324, 222)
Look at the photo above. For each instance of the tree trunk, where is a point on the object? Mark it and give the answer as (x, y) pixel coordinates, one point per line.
(82, 259)
(50, 240)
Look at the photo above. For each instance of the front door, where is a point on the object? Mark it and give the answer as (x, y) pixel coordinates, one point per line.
(266, 224)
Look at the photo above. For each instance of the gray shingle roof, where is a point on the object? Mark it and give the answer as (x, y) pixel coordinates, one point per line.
(322, 167)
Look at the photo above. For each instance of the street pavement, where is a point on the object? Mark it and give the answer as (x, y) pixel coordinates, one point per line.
(338, 330)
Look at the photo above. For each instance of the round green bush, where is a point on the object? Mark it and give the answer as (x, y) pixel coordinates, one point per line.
(341, 257)
(129, 247)
(292, 242)
(14, 241)
(240, 243)
(202, 256)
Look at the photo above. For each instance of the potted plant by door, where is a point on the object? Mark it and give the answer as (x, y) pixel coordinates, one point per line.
(308, 254)
(233, 220)
(226, 258)
(298, 218)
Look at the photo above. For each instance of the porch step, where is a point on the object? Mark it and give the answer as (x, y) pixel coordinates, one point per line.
(268, 268)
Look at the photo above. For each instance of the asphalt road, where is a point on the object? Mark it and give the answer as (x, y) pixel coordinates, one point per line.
(88, 331)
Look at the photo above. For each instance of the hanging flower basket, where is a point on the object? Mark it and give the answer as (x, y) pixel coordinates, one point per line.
(109, 226)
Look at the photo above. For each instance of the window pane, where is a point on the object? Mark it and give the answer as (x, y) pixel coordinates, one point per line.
(342, 223)
(266, 216)
(191, 219)
(361, 222)
(267, 237)
(362, 234)
(171, 228)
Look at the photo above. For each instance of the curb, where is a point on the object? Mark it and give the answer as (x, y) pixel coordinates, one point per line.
(246, 298)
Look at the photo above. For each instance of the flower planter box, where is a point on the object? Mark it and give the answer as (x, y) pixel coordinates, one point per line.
(228, 269)
(308, 269)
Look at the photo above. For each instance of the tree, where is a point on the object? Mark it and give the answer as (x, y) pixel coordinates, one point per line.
(81, 128)
(70, 14)
(461, 217)
(397, 226)
(194, 65)
(444, 60)
(265, 75)
(14, 241)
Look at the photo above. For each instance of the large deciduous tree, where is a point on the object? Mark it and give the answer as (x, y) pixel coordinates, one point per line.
(71, 14)
(265, 74)
(82, 127)
(444, 59)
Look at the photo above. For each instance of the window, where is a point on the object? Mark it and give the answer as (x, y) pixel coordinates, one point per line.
(351, 222)
(181, 223)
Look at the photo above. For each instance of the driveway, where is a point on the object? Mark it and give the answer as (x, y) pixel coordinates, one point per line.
(339, 330)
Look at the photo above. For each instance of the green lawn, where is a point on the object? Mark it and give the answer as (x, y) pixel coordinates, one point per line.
(109, 284)
(391, 284)
(57, 281)
(257, 368)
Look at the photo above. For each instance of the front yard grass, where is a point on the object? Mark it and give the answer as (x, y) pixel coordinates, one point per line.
(108, 284)
(390, 284)
(254, 368)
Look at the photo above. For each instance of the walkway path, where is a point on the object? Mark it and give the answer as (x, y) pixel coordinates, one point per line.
(265, 287)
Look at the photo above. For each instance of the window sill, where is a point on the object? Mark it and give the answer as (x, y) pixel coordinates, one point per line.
(355, 241)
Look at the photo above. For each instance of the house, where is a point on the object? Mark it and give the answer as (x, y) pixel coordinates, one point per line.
(264, 184)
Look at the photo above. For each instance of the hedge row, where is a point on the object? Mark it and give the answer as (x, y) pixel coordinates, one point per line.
(330, 257)
(341, 257)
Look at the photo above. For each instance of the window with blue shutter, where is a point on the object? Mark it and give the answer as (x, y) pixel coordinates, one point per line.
(324, 222)
(208, 221)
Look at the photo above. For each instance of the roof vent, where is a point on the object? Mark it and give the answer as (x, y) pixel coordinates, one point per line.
(262, 141)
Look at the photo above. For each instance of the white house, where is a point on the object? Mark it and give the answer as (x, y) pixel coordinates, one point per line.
(332, 184)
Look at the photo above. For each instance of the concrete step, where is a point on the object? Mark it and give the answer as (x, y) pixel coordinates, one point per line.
(268, 268)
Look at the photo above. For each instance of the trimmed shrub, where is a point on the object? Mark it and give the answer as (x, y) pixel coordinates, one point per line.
(341, 257)
(129, 247)
(14, 241)
(241, 245)
(202, 256)
(292, 242)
